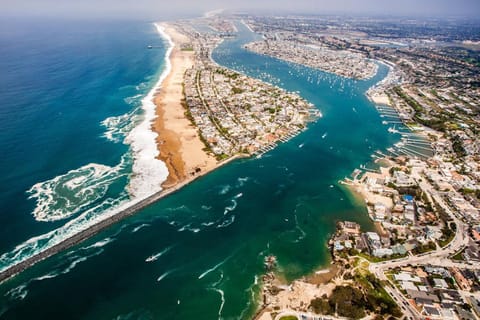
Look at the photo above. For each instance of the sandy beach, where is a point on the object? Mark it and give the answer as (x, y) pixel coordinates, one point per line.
(178, 141)
(380, 99)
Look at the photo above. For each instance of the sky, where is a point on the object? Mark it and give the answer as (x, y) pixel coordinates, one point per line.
(152, 9)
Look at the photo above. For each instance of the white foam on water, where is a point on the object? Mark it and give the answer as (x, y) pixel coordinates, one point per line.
(242, 180)
(189, 228)
(230, 208)
(303, 234)
(143, 225)
(222, 299)
(21, 291)
(180, 208)
(154, 257)
(216, 283)
(79, 190)
(224, 189)
(251, 291)
(227, 222)
(90, 217)
(215, 267)
(70, 193)
(132, 100)
(73, 261)
(17, 293)
(148, 172)
(164, 275)
(206, 208)
(118, 127)
(99, 244)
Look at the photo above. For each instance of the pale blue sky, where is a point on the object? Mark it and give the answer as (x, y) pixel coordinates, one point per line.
(151, 9)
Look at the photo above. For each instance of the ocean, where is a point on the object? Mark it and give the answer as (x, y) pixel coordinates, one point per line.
(72, 96)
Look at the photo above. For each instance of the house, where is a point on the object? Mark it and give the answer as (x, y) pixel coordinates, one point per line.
(350, 228)
(475, 304)
(382, 252)
(440, 284)
(423, 298)
(462, 282)
(464, 314)
(409, 213)
(380, 211)
(429, 310)
(399, 249)
(407, 285)
(405, 276)
(401, 179)
(447, 314)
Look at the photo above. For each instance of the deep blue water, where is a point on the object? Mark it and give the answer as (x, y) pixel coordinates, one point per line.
(59, 80)
(198, 253)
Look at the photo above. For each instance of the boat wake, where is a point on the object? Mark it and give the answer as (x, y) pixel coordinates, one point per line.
(68, 263)
(230, 208)
(227, 222)
(222, 301)
(164, 275)
(82, 192)
(35, 245)
(215, 267)
(154, 257)
(137, 228)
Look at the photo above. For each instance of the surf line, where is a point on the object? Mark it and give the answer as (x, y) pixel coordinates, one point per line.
(124, 211)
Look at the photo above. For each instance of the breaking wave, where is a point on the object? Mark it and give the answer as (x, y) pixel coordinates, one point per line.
(70, 193)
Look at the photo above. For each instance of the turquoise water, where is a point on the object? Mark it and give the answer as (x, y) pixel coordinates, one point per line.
(198, 253)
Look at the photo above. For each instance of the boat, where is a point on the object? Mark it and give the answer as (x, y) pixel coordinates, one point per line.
(149, 47)
(150, 259)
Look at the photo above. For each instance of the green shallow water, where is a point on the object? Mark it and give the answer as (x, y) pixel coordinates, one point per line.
(208, 241)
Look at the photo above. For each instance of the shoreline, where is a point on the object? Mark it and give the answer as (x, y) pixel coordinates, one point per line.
(169, 115)
(147, 169)
(131, 208)
(323, 278)
(178, 142)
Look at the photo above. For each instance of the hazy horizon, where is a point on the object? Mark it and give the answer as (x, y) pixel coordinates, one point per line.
(151, 9)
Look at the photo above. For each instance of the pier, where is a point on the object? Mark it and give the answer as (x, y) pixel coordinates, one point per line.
(135, 206)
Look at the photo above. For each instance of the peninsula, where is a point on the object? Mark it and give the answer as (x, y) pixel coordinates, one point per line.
(207, 113)
(206, 116)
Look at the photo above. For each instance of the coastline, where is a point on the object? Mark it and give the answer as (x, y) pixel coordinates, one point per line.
(182, 150)
(297, 295)
(126, 210)
(148, 172)
(178, 141)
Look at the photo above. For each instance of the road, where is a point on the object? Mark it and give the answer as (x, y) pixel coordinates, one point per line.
(438, 257)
